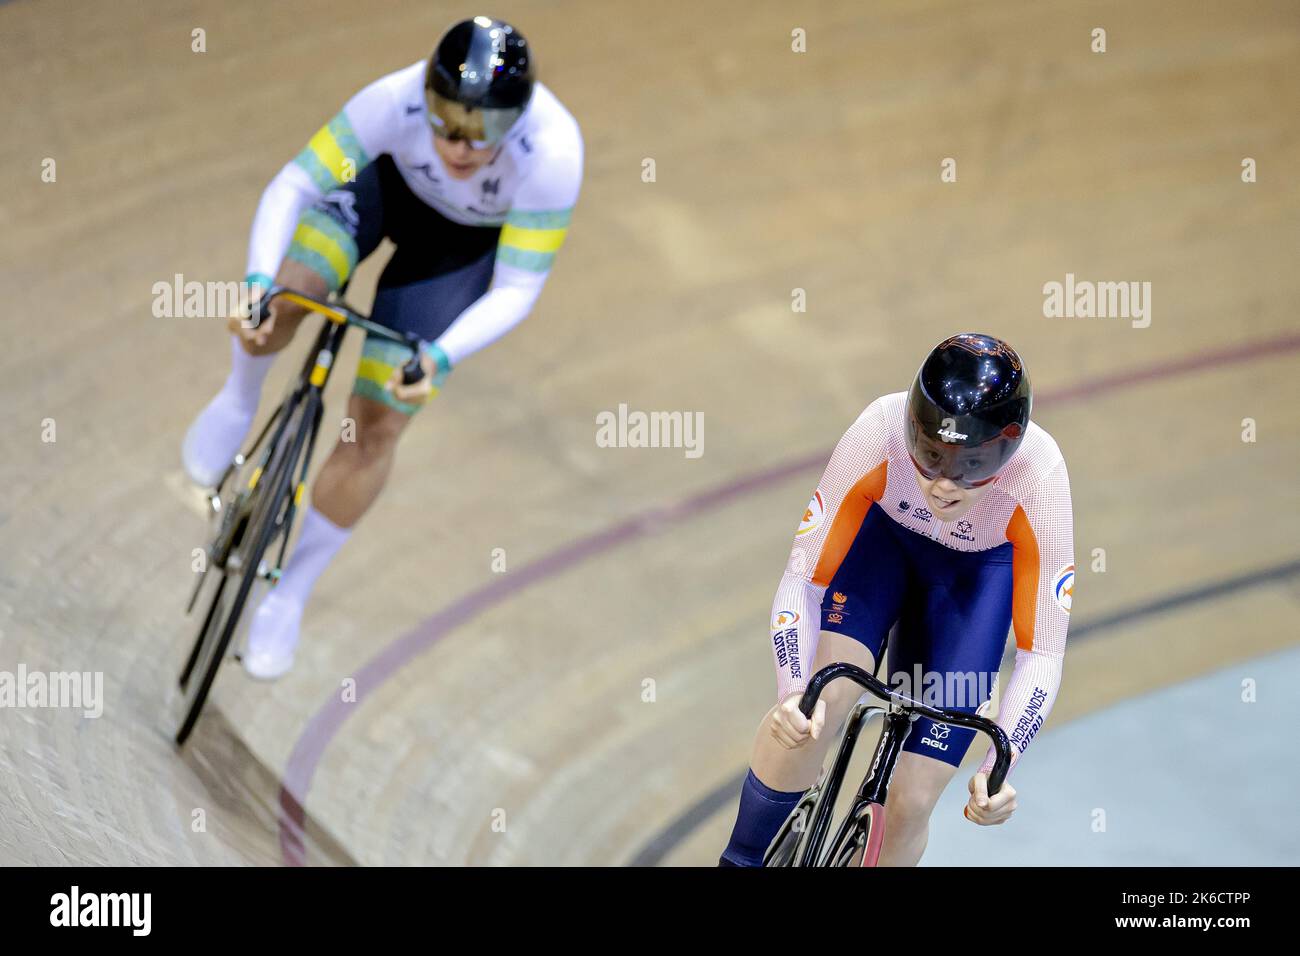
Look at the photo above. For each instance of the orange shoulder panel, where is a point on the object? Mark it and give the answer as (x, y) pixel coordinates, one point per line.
(848, 520)
(1024, 577)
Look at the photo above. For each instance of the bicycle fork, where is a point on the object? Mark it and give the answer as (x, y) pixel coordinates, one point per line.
(316, 372)
(855, 832)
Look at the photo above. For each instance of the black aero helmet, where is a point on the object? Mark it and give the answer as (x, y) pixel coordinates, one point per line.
(968, 409)
(479, 80)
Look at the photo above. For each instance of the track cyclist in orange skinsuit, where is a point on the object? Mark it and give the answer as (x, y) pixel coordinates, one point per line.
(946, 512)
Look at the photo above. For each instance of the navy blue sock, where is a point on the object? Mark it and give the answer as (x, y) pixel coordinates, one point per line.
(762, 811)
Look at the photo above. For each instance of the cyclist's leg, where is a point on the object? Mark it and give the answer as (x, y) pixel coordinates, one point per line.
(915, 789)
(276, 625)
(954, 626)
(359, 464)
(342, 228)
(861, 604)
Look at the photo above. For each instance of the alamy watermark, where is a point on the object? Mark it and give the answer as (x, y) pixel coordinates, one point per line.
(75, 690)
(1084, 299)
(130, 910)
(190, 299)
(634, 429)
(946, 689)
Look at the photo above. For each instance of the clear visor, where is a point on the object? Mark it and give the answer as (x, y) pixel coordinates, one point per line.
(481, 128)
(967, 465)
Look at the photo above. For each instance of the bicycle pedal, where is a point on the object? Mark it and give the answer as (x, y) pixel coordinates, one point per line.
(191, 496)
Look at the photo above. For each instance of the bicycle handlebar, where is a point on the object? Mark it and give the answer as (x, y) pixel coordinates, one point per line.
(873, 685)
(340, 311)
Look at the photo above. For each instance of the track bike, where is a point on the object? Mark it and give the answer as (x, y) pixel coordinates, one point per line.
(260, 492)
(802, 839)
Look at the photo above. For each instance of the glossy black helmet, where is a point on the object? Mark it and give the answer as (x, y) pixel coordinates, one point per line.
(968, 409)
(479, 80)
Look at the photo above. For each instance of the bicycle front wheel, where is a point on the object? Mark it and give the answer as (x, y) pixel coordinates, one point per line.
(860, 840)
(267, 519)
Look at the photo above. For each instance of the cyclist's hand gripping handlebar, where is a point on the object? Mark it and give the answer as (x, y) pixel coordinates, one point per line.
(413, 371)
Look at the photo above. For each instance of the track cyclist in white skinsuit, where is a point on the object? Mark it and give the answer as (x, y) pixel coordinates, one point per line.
(472, 169)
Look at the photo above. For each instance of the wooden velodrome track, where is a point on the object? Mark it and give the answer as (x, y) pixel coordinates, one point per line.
(519, 696)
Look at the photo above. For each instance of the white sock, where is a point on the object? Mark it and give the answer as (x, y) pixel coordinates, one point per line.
(276, 625)
(318, 542)
(243, 386)
(216, 434)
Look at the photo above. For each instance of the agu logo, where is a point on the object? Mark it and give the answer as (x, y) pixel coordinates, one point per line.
(812, 518)
(1063, 587)
(938, 733)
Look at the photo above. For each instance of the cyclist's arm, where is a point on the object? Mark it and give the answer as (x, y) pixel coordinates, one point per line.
(532, 235)
(854, 479)
(335, 155)
(1042, 534)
